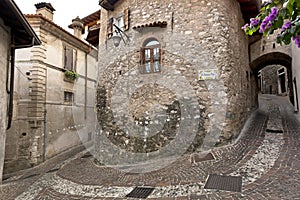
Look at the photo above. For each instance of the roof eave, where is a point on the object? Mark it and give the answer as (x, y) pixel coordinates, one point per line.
(108, 4)
(34, 40)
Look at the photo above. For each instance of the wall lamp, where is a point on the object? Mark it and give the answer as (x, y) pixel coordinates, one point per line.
(117, 38)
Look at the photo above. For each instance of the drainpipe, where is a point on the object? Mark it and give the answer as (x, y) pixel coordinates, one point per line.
(45, 130)
(11, 87)
(296, 103)
(7, 71)
(45, 119)
(85, 88)
(13, 47)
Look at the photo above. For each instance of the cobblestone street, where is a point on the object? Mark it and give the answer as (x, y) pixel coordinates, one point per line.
(265, 156)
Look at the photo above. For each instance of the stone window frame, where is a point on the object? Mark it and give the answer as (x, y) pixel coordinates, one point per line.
(152, 59)
(69, 58)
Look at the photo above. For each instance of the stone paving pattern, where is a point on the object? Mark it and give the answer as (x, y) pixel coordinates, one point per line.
(80, 178)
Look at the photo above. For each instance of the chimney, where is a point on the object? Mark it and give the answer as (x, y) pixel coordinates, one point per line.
(45, 9)
(77, 25)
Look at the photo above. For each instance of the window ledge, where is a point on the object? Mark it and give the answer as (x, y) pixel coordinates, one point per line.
(69, 80)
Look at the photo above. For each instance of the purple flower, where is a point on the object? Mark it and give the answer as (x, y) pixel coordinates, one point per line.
(273, 14)
(267, 22)
(286, 25)
(245, 26)
(297, 40)
(264, 25)
(254, 21)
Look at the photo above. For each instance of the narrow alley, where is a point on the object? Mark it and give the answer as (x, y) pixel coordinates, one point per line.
(264, 163)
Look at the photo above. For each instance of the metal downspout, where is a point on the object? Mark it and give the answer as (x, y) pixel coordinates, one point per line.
(85, 87)
(45, 119)
(11, 86)
(13, 47)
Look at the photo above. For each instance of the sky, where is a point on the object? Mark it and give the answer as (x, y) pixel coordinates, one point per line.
(65, 10)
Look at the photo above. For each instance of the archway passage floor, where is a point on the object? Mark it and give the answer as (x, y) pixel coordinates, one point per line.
(267, 161)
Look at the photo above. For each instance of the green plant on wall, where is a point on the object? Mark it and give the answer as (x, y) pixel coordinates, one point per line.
(71, 74)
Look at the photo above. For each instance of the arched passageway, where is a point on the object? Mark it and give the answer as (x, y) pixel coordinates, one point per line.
(283, 64)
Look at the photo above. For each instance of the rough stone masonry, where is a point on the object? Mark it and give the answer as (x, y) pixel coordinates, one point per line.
(144, 112)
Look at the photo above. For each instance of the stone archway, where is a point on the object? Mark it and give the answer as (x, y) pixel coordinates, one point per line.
(274, 58)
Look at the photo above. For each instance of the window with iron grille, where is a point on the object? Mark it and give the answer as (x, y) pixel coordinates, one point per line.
(68, 97)
(151, 57)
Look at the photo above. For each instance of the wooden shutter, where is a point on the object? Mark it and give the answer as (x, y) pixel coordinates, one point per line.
(110, 27)
(142, 60)
(160, 58)
(74, 63)
(151, 59)
(65, 57)
(126, 19)
(68, 58)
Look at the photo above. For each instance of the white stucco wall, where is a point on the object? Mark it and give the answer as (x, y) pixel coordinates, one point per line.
(62, 118)
(4, 47)
(67, 125)
(296, 71)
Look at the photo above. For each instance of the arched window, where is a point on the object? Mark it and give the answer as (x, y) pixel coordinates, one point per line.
(151, 56)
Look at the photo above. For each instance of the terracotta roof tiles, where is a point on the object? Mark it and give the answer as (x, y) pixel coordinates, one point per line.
(161, 24)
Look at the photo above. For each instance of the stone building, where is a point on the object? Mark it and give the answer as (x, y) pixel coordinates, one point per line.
(273, 79)
(170, 67)
(275, 67)
(54, 89)
(15, 33)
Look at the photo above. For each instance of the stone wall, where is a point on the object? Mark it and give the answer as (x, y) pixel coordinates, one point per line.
(199, 35)
(270, 79)
(4, 58)
(268, 45)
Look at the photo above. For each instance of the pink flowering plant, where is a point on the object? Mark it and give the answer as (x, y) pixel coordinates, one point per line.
(282, 15)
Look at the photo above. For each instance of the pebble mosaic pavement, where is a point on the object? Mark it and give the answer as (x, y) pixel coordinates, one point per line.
(266, 156)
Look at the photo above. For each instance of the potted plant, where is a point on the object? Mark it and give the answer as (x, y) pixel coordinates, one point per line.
(71, 75)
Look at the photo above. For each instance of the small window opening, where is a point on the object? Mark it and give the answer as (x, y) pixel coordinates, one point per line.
(68, 97)
(151, 56)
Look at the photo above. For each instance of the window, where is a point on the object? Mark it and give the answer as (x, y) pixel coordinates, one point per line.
(121, 20)
(151, 57)
(69, 58)
(68, 97)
